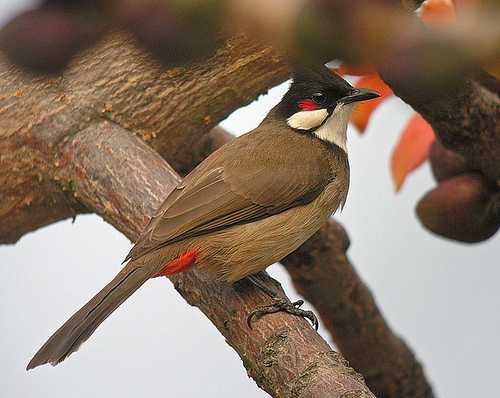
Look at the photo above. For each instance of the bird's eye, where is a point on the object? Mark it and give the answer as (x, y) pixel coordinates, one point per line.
(319, 98)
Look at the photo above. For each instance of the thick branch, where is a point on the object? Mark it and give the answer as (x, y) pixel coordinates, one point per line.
(118, 176)
(465, 118)
(323, 274)
(51, 128)
(438, 80)
(170, 109)
(433, 70)
(433, 73)
(54, 125)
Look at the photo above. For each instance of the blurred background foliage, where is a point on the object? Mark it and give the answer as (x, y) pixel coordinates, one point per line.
(452, 38)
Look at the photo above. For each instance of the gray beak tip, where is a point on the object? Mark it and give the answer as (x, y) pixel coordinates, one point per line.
(367, 94)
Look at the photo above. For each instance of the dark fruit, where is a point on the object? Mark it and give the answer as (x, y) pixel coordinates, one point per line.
(463, 208)
(178, 33)
(43, 40)
(445, 163)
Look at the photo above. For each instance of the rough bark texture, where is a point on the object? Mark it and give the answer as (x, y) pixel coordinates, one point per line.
(465, 118)
(322, 272)
(121, 178)
(170, 109)
(435, 75)
(54, 149)
(54, 144)
(60, 157)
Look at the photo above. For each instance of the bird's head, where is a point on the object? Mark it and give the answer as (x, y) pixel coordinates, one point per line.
(320, 102)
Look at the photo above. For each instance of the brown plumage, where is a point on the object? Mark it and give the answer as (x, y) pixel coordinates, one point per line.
(246, 206)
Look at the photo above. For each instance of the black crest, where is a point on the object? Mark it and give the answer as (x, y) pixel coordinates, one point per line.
(308, 83)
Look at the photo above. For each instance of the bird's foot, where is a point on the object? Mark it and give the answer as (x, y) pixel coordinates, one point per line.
(281, 304)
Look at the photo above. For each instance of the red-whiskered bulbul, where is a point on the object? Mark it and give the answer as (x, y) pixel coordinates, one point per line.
(245, 207)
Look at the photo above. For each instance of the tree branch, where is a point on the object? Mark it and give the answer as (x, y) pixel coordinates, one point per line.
(65, 109)
(433, 70)
(170, 109)
(119, 177)
(55, 142)
(465, 118)
(323, 274)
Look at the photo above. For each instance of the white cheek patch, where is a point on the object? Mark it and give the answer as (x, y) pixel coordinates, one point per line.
(335, 129)
(306, 120)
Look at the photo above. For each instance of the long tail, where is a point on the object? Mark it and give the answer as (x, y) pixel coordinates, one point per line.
(68, 338)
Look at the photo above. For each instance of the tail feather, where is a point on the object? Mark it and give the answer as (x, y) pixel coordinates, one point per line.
(68, 338)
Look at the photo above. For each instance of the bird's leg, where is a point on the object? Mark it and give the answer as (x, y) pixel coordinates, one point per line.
(256, 280)
(279, 304)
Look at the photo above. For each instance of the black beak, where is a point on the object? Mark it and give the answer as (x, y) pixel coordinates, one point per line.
(360, 94)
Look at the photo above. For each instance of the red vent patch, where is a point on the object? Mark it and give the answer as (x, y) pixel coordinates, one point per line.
(180, 264)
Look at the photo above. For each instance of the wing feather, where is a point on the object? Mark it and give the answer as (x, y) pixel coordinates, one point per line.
(229, 189)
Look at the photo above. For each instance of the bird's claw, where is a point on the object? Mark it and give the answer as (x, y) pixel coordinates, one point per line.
(281, 304)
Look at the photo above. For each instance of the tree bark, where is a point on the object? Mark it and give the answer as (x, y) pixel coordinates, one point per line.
(323, 274)
(465, 118)
(61, 157)
(116, 80)
(437, 77)
(45, 125)
(119, 177)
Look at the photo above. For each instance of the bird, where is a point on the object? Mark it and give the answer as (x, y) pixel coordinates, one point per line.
(246, 206)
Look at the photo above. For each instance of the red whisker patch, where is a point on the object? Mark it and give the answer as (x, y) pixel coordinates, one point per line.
(308, 105)
(180, 264)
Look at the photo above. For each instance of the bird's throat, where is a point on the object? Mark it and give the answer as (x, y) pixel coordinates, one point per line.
(335, 128)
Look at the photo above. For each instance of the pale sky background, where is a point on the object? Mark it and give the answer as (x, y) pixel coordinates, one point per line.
(442, 297)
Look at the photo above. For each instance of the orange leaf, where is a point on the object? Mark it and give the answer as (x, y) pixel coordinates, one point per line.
(364, 110)
(437, 12)
(412, 149)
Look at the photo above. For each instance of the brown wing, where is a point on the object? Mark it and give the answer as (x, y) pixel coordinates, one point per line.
(245, 180)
